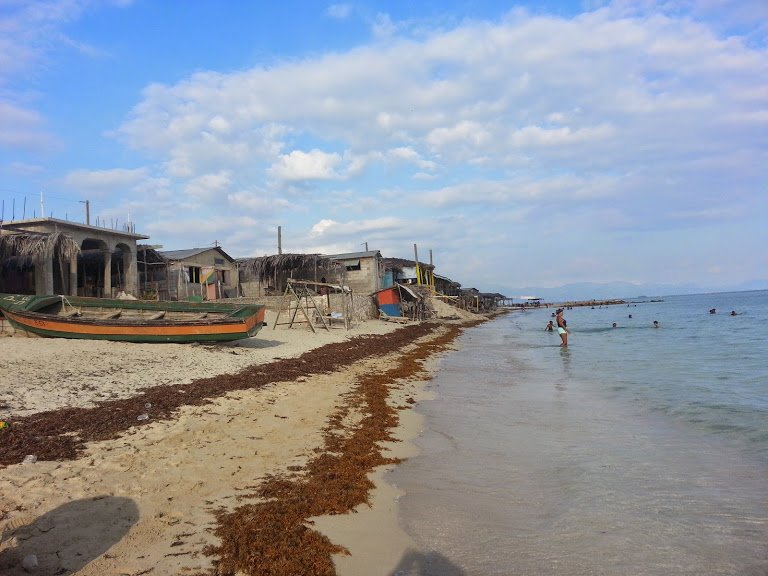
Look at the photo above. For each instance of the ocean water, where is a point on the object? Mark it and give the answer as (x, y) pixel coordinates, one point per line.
(634, 451)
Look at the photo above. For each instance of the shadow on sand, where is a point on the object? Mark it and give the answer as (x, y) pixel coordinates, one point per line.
(258, 341)
(416, 563)
(67, 538)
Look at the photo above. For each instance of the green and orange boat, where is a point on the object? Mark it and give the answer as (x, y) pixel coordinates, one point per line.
(131, 320)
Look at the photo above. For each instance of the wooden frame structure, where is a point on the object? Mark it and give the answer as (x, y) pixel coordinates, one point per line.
(299, 297)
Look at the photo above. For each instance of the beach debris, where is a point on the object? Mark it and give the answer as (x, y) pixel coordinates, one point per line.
(3, 424)
(29, 459)
(29, 563)
(142, 417)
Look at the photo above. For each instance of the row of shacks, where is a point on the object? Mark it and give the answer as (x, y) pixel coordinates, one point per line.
(50, 256)
(398, 285)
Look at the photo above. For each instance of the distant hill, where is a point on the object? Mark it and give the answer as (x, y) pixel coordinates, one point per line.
(622, 290)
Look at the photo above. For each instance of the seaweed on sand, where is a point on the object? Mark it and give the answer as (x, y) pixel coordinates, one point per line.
(272, 536)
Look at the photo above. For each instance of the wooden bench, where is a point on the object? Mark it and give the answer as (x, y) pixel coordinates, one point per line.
(386, 317)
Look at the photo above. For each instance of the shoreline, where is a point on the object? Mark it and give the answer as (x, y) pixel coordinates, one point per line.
(175, 477)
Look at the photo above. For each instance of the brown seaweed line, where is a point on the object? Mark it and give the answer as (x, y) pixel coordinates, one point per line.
(272, 537)
(61, 434)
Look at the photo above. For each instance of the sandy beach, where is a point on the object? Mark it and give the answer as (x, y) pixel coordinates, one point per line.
(244, 458)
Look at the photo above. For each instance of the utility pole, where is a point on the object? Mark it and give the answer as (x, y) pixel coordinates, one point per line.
(279, 239)
(87, 211)
(366, 246)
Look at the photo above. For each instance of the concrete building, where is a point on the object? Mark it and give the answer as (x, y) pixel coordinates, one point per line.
(363, 271)
(105, 266)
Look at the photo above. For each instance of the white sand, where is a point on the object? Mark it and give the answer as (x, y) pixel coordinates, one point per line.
(40, 374)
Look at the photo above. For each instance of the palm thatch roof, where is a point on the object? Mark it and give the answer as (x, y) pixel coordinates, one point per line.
(31, 245)
(401, 263)
(267, 266)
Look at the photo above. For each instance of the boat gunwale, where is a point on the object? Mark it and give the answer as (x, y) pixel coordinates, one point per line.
(243, 321)
(123, 322)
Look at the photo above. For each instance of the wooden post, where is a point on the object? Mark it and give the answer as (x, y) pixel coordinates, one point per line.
(416, 258)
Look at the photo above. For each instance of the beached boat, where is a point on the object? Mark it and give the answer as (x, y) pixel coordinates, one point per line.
(131, 320)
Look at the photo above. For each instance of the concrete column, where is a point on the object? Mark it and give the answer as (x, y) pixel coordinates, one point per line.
(131, 273)
(44, 276)
(73, 276)
(107, 274)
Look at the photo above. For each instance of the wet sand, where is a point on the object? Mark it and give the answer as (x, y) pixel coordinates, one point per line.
(177, 459)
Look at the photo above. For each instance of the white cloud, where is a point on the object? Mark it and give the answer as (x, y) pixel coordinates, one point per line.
(25, 168)
(356, 227)
(23, 128)
(470, 133)
(209, 186)
(535, 136)
(220, 124)
(103, 181)
(312, 165)
(322, 227)
(339, 11)
(261, 202)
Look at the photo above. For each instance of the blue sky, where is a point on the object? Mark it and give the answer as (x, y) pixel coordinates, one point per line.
(530, 144)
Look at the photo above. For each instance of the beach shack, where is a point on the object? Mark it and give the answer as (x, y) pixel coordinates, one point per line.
(201, 273)
(402, 271)
(446, 286)
(399, 300)
(269, 275)
(388, 301)
(361, 271)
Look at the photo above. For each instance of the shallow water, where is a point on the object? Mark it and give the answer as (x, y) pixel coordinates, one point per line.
(634, 451)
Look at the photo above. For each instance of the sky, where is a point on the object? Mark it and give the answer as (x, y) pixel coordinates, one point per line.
(529, 144)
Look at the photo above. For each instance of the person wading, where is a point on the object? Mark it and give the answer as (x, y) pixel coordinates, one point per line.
(562, 327)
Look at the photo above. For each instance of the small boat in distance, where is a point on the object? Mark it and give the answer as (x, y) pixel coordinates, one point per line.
(131, 320)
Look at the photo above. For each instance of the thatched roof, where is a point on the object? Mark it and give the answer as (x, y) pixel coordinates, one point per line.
(401, 263)
(30, 245)
(266, 266)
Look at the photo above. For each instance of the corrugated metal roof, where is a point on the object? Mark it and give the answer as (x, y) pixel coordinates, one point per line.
(354, 255)
(411, 292)
(176, 255)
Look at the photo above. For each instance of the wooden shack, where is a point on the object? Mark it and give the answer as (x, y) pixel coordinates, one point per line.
(207, 273)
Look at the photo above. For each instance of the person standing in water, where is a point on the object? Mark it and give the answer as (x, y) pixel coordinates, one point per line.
(562, 327)
(550, 327)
